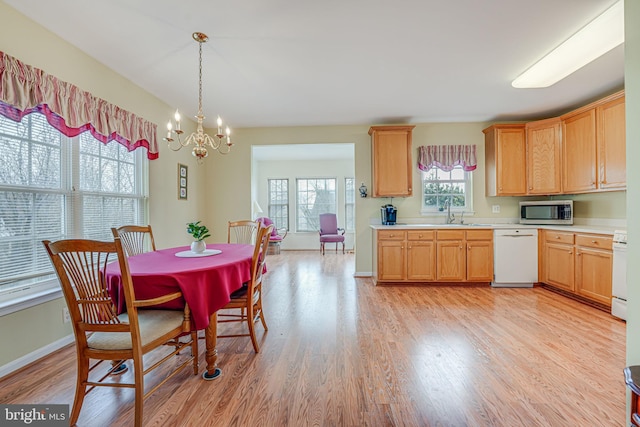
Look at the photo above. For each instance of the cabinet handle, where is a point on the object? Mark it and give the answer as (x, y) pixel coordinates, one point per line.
(557, 237)
(570, 252)
(593, 241)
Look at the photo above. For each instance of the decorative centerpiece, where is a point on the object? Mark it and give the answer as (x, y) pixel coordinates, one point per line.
(199, 233)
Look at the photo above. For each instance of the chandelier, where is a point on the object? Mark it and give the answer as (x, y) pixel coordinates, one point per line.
(200, 140)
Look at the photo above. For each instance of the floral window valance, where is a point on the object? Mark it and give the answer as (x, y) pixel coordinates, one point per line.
(25, 89)
(446, 157)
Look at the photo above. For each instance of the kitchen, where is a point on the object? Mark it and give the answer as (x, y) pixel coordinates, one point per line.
(589, 207)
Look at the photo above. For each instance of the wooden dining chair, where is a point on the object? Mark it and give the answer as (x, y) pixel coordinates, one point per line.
(242, 231)
(101, 334)
(135, 238)
(248, 299)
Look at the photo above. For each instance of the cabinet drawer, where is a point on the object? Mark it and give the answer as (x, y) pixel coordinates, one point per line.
(421, 235)
(479, 234)
(450, 234)
(558, 237)
(391, 235)
(594, 241)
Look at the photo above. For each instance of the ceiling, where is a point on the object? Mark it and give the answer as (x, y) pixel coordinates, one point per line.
(338, 62)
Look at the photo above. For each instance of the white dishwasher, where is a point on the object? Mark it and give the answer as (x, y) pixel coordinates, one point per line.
(515, 257)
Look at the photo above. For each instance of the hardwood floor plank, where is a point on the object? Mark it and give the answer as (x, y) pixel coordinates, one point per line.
(343, 352)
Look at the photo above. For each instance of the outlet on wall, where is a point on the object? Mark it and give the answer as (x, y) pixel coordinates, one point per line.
(495, 209)
(66, 317)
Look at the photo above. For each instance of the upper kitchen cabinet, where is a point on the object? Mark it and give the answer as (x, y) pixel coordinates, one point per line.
(594, 147)
(392, 167)
(543, 157)
(579, 151)
(505, 157)
(611, 142)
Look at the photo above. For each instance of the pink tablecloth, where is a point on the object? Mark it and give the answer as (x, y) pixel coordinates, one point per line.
(206, 282)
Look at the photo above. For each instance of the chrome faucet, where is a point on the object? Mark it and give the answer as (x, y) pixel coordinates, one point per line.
(450, 217)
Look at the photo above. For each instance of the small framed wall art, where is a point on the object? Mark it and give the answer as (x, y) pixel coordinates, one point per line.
(182, 181)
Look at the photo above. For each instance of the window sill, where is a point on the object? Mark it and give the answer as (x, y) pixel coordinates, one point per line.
(33, 295)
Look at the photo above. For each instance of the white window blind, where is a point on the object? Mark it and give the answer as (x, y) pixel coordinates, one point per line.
(54, 187)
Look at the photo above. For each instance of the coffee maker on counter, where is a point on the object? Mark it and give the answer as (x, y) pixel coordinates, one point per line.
(388, 214)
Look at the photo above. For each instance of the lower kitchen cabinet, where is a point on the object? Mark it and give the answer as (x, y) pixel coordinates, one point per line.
(451, 259)
(479, 255)
(421, 256)
(391, 256)
(432, 256)
(594, 264)
(578, 263)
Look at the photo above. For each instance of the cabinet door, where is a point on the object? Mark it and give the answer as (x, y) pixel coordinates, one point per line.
(579, 152)
(505, 159)
(451, 261)
(479, 261)
(421, 260)
(593, 274)
(543, 157)
(392, 167)
(612, 157)
(391, 261)
(559, 266)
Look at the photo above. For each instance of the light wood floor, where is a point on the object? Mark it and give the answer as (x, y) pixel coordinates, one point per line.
(342, 352)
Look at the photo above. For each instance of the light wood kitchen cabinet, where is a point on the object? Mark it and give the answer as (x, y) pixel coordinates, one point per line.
(579, 152)
(594, 262)
(479, 255)
(391, 255)
(392, 167)
(579, 263)
(433, 255)
(505, 157)
(611, 142)
(451, 257)
(594, 146)
(421, 256)
(543, 166)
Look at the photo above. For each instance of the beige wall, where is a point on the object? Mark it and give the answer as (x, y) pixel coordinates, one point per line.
(35, 46)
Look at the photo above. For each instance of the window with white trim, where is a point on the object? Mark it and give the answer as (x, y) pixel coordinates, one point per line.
(439, 186)
(54, 187)
(279, 202)
(313, 197)
(350, 204)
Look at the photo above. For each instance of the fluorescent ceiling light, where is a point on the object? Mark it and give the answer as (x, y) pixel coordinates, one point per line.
(592, 41)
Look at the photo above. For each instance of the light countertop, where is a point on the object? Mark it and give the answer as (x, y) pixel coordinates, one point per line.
(471, 226)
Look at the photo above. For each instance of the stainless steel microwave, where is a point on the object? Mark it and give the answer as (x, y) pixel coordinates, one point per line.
(547, 212)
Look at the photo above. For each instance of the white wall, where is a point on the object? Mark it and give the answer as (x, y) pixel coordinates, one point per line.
(292, 169)
(632, 94)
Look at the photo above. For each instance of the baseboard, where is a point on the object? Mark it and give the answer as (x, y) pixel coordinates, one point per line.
(363, 274)
(25, 360)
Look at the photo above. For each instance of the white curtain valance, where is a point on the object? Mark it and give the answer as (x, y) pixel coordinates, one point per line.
(446, 157)
(25, 89)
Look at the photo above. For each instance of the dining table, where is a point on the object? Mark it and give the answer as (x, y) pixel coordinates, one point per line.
(206, 281)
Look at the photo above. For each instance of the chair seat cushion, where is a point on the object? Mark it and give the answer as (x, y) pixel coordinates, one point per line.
(153, 325)
(332, 238)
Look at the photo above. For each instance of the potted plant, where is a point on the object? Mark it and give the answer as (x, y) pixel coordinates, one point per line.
(199, 233)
